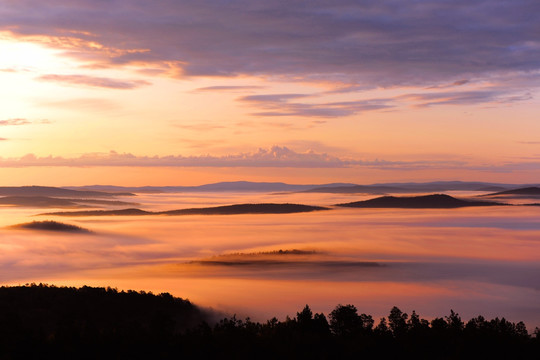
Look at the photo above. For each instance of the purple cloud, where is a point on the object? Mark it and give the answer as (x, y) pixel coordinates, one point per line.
(368, 43)
(94, 81)
(282, 105)
(494, 95)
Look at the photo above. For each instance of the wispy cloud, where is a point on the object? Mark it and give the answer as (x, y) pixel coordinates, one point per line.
(200, 126)
(94, 81)
(16, 121)
(487, 96)
(284, 105)
(81, 103)
(529, 142)
(453, 84)
(22, 121)
(228, 88)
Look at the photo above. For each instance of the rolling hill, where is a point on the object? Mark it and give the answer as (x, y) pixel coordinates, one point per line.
(435, 201)
(216, 210)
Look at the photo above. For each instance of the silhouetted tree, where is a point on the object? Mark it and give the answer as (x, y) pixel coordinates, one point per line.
(382, 327)
(415, 324)
(305, 317)
(397, 320)
(454, 322)
(320, 324)
(344, 320)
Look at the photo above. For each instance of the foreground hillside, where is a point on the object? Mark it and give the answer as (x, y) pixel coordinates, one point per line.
(40, 321)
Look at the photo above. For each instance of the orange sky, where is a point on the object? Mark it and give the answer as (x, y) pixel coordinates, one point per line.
(239, 98)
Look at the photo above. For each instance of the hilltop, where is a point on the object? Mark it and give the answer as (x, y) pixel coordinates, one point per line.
(532, 190)
(236, 209)
(50, 225)
(434, 201)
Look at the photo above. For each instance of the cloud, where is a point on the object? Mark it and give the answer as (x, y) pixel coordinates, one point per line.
(485, 96)
(22, 121)
(3, 139)
(454, 84)
(82, 103)
(363, 43)
(283, 105)
(16, 121)
(94, 81)
(529, 142)
(203, 127)
(276, 157)
(228, 88)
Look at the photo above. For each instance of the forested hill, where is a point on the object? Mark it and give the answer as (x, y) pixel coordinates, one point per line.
(40, 321)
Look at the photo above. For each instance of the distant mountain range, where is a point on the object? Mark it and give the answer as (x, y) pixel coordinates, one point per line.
(234, 186)
(247, 186)
(51, 202)
(56, 192)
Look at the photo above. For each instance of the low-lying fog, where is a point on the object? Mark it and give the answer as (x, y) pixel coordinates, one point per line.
(472, 260)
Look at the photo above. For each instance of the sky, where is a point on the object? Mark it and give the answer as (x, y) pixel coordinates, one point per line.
(191, 92)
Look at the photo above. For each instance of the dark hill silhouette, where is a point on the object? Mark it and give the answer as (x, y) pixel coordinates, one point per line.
(287, 259)
(532, 190)
(40, 321)
(55, 192)
(50, 225)
(37, 201)
(217, 210)
(46, 201)
(247, 209)
(121, 212)
(90, 322)
(435, 201)
(492, 188)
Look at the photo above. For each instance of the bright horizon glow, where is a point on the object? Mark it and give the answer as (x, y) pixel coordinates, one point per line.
(79, 93)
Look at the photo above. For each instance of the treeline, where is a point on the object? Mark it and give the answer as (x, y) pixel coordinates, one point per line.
(40, 321)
